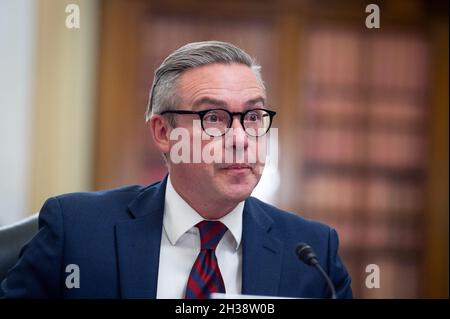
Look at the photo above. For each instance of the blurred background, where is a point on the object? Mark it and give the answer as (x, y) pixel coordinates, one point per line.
(362, 114)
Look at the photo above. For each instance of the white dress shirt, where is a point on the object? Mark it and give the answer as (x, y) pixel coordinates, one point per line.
(180, 246)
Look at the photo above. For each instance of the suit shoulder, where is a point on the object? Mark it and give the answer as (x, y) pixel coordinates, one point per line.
(291, 229)
(290, 220)
(111, 202)
(101, 194)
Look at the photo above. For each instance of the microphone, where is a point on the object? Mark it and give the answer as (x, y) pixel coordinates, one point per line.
(306, 254)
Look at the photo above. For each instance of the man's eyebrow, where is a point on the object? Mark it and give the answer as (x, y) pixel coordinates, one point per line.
(223, 104)
(208, 100)
(257, 100)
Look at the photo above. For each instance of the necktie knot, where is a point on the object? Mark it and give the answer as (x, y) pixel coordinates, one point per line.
(211, 232)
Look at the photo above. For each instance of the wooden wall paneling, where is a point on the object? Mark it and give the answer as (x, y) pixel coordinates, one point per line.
(436, 253)
(116, 146)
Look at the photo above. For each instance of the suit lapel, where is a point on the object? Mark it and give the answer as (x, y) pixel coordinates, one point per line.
(138, 244)
(262, 252)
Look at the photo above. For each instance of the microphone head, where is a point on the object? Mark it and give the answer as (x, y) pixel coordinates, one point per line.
(306, 254)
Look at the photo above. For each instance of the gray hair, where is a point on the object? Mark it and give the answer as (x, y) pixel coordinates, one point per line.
(163, 95)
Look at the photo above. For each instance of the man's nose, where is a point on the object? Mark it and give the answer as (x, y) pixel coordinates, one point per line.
(237, 134)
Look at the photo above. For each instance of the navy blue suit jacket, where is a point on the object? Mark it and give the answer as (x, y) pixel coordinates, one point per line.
(114, 238)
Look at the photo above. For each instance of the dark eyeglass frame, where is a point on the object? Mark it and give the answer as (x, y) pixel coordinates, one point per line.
(202, 114)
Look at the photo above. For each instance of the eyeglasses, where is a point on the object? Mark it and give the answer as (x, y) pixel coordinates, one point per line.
(216, 122)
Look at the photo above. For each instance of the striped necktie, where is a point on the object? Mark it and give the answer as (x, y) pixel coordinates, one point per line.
(205, 277)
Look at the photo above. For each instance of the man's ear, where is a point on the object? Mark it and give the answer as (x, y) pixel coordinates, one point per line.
(159, 128)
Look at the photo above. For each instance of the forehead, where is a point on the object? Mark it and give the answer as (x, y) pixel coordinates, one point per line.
(229, 82)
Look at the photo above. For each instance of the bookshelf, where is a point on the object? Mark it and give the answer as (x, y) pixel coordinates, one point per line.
(362, 166)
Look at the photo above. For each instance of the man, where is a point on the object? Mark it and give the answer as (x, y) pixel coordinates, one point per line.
(198, 231)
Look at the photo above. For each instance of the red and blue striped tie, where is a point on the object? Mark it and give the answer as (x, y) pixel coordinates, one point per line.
(205, 277)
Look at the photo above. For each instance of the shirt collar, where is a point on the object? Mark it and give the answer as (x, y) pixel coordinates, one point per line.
(179, 217)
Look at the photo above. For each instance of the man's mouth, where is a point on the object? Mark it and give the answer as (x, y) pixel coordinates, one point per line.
(237, 167)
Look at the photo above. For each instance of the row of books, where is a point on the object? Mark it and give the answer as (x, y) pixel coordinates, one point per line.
(333, 109)
(382, 61)
(380, 148)
(401, 239)
(347, 194)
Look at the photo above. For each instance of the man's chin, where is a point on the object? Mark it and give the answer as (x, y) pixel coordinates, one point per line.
(237, 194)
(236, 188)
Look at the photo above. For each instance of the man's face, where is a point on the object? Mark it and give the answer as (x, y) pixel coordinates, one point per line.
(233, 87)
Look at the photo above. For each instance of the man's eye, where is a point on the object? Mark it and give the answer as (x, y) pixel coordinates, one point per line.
(213, 118)
(253, 117)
